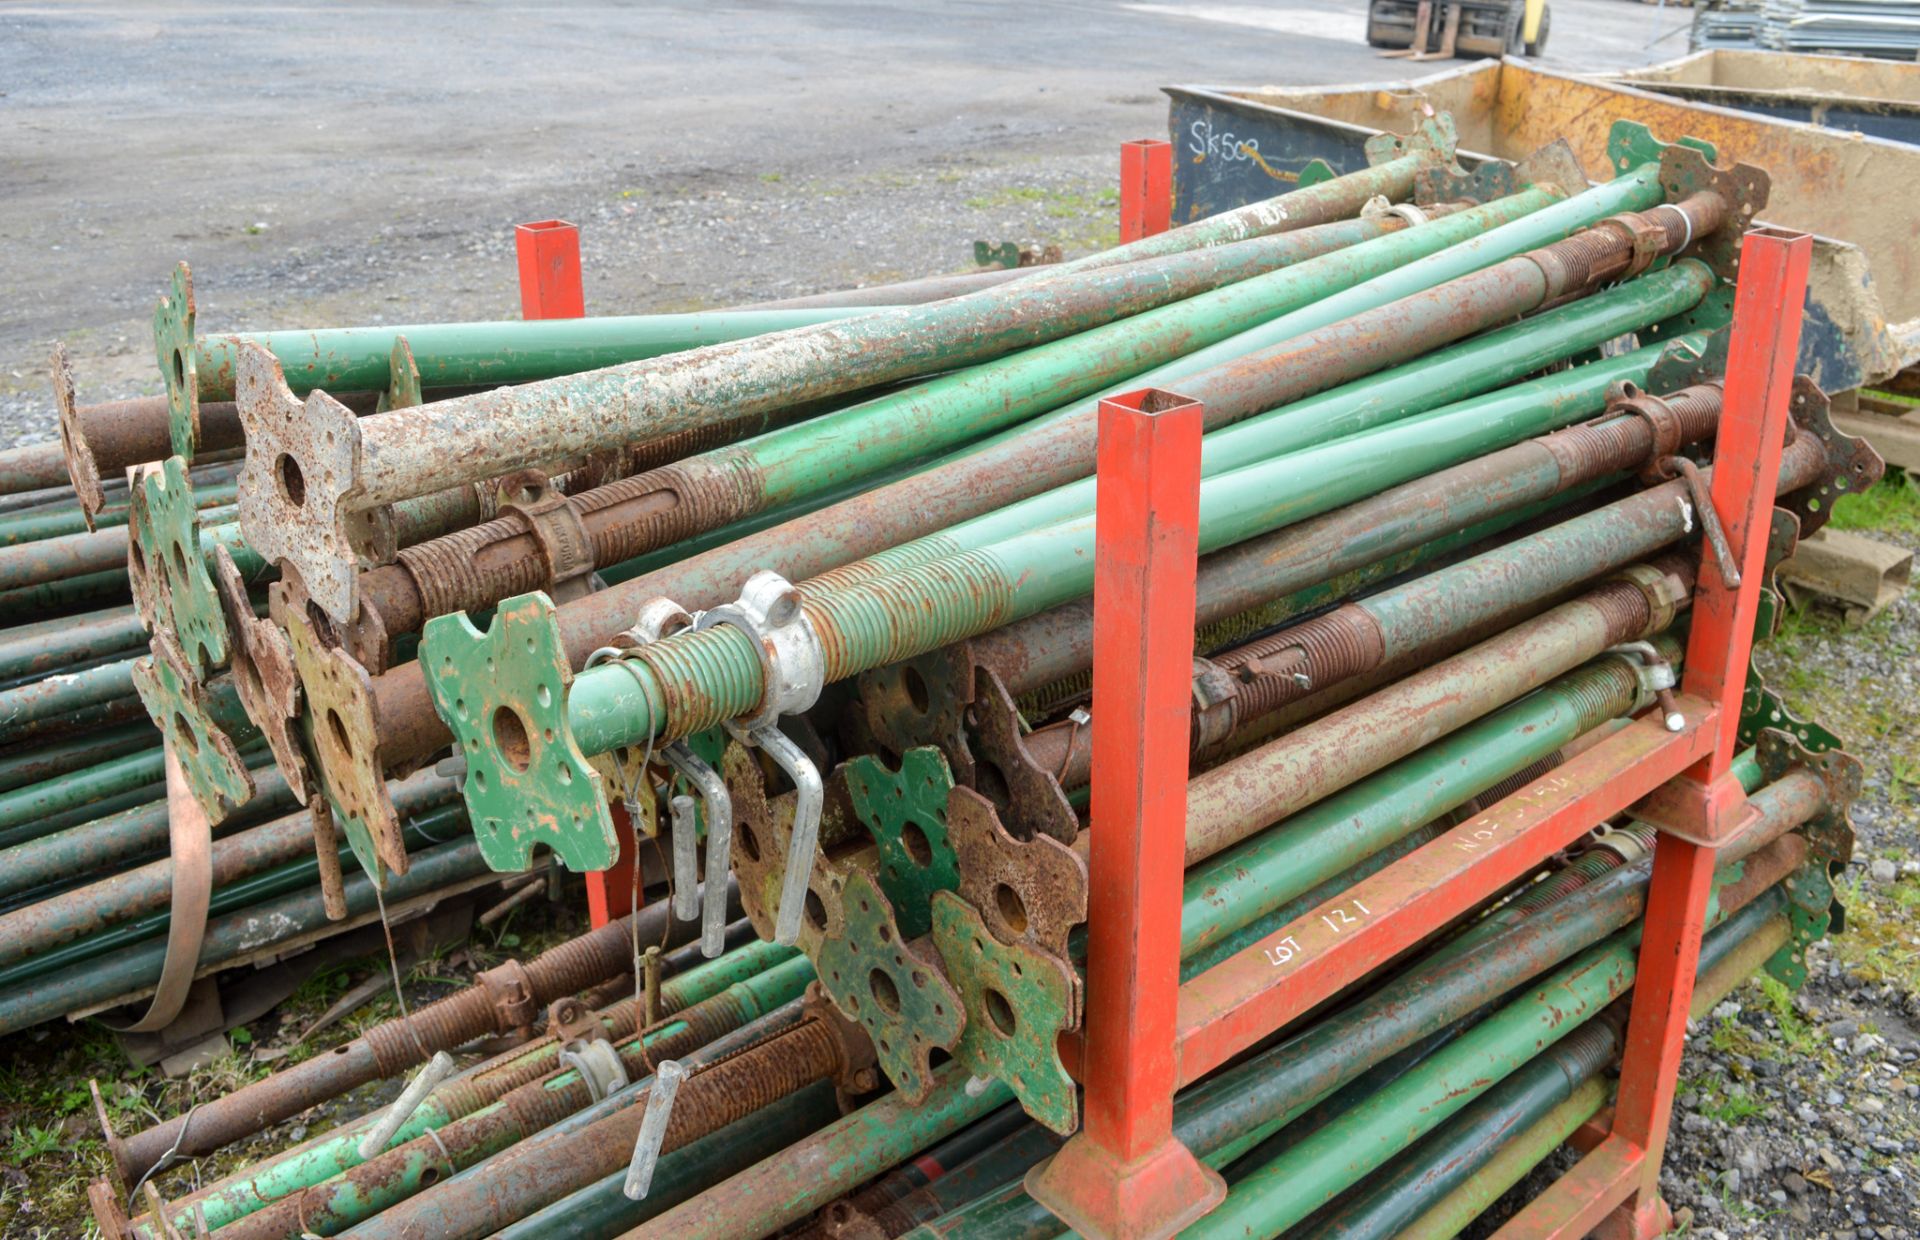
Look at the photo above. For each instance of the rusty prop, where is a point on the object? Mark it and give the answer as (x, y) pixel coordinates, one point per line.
(504, 1001)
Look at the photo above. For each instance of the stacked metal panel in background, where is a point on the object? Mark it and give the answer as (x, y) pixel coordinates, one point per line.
(1889, 29)
(1736, 24)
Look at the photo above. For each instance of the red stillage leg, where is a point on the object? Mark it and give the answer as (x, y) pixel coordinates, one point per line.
(1125, 1176)
(1753, 431)
(549, 254)
(1146, 188)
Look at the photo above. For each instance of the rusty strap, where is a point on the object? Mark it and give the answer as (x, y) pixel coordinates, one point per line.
(555, 524)
(1646, 239)
(191, 838)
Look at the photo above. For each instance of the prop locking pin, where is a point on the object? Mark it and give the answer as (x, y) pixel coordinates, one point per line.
(653, 1128)
(437, 1069)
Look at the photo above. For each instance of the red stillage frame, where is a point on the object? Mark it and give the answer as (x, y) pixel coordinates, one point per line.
(1679, 779)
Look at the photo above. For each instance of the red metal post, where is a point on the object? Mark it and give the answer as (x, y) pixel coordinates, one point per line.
(1703, 808)
(1125, 1175)
(549, 253)
(1146, 188)
(1746, 456)
(610, 891)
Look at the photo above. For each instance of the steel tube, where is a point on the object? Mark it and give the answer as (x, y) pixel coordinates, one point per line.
(1399, 623)
(432, 826)
(132, 969)
(63, 693)
(805, 1176)
(667, 505)
(1227, 891)
(1331, 199)
(601, 1211)
(694, 982)
(1452, 1213)
(973, 591)
(1059, 449)
(1236, 799)
(68, 592)
(23, 811)
(34, 526)
(108, 842)
(393, 1047)
(488, 354)
(530, 1175)
(487, 1121)
(1231, 1112)
(1018, 466)
(77, 555)
(32, 467)
(289, 499)
(1553, 1093)
(73, 914)
(1446, 1158)
(1277, 1196)
(45, 759)
(36, 649)
(1319, 359)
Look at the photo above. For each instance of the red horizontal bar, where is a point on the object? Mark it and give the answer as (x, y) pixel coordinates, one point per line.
(1580, 1199)
(1242, 999)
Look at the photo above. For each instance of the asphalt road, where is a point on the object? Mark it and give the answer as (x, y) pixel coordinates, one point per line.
(336, 163)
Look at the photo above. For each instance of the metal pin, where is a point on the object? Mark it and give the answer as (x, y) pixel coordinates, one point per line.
(686, 860)
(653, 1128)
(719, 816)
(809, 801)
(650, 983)
(437, 1069)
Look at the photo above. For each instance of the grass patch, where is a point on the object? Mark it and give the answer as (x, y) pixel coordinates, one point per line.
(1891, 506)
(1092, 216)
(1728, 1105)
(1881, 945)
(1795, 1032)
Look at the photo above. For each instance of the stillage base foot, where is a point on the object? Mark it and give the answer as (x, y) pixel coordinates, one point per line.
(1104, 1199)
(1636, 1219)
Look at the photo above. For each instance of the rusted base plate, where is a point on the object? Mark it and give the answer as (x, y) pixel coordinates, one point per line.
(1103, 1199)
(209, 760)
(337, 729)
(82, 470)
(298, 484)
(1032, 891)
(178, 359)
(263, 674)
(175, 590)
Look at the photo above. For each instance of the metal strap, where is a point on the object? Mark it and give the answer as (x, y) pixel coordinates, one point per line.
(555, 524)
(191, 838)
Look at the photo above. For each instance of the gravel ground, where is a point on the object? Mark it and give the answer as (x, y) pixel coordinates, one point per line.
(1803, 1118)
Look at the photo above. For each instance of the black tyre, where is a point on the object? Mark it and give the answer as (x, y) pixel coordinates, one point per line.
(1383, 30)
